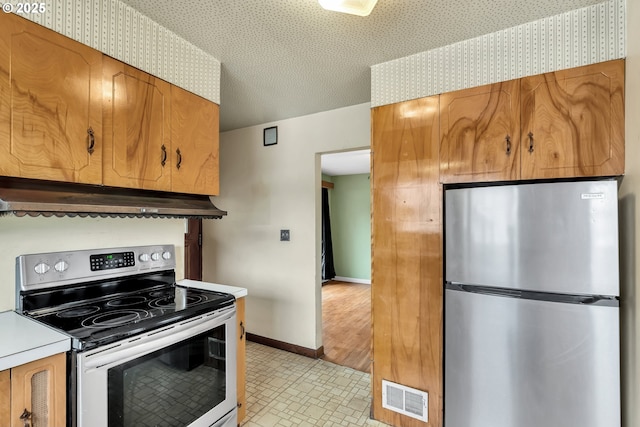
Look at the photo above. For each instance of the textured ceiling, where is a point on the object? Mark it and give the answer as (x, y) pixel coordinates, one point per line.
(287, 58)
(346, 163)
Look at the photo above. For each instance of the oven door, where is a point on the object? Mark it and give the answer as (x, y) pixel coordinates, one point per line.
(180, 375)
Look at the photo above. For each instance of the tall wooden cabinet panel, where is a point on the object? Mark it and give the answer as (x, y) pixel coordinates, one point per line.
(480, 133)
(406, 255)
(5, 397)
(137, 133)
(573, 122)
(40, 388)
(242, 359)
(53, 93)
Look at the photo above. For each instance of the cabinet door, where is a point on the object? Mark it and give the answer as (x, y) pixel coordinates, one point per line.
(406, 275)
(573, 122)
(5, 397)
(40, 388)
(242, 359)
(479, 133)
(50, 100)
(194, 138)
(137, 119)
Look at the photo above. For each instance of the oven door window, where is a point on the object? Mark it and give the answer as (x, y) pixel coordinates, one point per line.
(170, 387)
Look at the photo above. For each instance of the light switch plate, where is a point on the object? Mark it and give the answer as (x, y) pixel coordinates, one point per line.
(284, 235)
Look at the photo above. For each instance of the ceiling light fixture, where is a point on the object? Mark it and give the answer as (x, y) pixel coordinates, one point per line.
(353, 7)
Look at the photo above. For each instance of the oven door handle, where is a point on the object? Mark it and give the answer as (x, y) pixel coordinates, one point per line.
(154, 340)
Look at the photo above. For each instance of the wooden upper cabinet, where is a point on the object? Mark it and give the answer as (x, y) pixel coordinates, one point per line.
(50, 89)
(573, 122)
(480, 133)
(137, 134)
(195, 142)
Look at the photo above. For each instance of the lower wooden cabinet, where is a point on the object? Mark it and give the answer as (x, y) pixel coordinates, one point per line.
(5, 397)
(36, 391)
(242, 360)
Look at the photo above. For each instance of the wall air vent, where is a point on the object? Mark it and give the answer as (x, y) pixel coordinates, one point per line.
(404, 400)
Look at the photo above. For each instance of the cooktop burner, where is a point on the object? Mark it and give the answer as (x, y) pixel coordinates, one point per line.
(127, 301)
(115, 318)
(78, 312)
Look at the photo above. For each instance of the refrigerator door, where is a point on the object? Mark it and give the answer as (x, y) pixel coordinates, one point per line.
(553, 237)
(526, 363)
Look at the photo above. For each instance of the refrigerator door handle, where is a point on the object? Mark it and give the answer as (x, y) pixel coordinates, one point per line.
(600, 300)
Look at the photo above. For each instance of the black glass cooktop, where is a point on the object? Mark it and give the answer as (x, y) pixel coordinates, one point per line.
(99, 313)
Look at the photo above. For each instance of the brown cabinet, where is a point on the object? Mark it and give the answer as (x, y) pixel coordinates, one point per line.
(55, 94)
(406, 276)
(480, 133)
(137, 135)
(569, 123)
(50, 109)
(157, 136)
(573, 122)
(241, 360)
(5, 397)
(35, 390)
(194, 143)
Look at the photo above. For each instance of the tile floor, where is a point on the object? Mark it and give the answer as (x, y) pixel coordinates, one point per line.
(286, 389)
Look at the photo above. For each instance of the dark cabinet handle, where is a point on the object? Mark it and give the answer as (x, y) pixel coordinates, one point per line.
(242, 330)
(92, 140)
(25, 417)
(530, 135)
(164, 155)
(179, 158)
(508, 140)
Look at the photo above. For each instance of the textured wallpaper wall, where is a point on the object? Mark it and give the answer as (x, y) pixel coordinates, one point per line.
(116, 29)
(580, 37)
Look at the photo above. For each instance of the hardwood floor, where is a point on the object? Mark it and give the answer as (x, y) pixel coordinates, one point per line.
(346, 324)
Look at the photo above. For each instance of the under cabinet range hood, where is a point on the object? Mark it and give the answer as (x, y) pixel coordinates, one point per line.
(47, 198)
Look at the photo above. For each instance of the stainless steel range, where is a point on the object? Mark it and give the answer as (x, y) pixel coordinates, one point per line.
(145, 352)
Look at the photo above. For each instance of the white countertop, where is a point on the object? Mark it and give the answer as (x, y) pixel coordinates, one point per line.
(23, 340)
(216, 287)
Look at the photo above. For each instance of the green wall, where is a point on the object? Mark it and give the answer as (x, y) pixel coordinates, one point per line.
(350, 206)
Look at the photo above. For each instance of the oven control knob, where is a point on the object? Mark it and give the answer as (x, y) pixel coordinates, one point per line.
(166, 255)
(155, 256)
(144, 257)
(61, 266)
(42, 268)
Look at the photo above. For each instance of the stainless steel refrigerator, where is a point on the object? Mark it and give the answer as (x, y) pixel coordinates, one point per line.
(531, 305)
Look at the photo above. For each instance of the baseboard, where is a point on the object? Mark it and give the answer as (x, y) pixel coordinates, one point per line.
(281, 345)
(352, 280)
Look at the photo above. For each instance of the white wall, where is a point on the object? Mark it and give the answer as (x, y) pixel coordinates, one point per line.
(630, 230)
(27, 235)
(266, 189)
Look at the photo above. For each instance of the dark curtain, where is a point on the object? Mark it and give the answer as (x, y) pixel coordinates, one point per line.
(328, 269)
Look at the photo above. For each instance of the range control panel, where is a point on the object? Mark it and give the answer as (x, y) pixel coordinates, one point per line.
(112, 260)
(37, 271)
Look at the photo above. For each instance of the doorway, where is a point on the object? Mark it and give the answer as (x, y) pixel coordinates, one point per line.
(346, 296)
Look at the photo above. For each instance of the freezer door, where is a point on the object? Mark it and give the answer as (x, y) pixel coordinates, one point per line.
(516, 362)
(554, 237)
